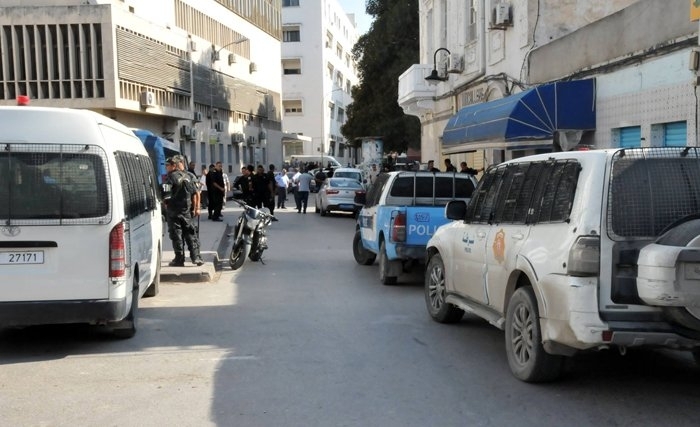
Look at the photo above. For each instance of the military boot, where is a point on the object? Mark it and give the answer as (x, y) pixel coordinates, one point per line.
(179, 260)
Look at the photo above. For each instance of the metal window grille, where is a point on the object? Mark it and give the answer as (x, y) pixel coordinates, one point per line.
(650, 189)
(54, 184)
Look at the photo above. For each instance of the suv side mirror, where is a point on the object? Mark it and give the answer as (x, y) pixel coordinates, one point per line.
(360, 198)
(456, 209)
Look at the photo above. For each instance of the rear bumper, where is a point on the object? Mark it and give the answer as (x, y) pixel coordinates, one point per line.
(410, 251)
(570, 320)
(55, 312)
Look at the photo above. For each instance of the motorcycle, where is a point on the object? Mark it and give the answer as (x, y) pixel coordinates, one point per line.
(249, 235)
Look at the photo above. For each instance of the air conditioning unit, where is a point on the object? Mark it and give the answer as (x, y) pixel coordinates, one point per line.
(219, 126)
(231, 58)
(193, 135)
(456, 64)
(197, 116)
(501, 14)
(185, 130)
(147, 99)
(251, 140)
(193, 46)
(215, 56)
(237, 138)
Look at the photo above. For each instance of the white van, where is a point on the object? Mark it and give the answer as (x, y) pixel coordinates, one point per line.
(326, 161)
(80, 220)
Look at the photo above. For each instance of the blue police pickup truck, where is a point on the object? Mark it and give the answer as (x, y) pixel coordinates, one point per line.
(400, 212)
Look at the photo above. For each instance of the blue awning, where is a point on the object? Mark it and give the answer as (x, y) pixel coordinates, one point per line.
(532, 115)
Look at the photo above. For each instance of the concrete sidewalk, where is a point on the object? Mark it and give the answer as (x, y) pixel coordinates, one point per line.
(214, 248)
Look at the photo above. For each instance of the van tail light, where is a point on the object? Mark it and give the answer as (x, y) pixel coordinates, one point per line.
(398, 227)
(117, 251)
(329, 191)
(584, 257)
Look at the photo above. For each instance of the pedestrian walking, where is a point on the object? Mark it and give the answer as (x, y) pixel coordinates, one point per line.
(270, 201)
(303, 181)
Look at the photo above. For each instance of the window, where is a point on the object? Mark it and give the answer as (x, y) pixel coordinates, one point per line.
(675, 134)
(329, 40)
(288, 3)
(341, 115)
(348, 87)
(339, 79)
(628, 137)
(292, 106)
(291, 34)
(339, 51)
(471, 20)
(291, 66)
(331, 107)
(51, 183)
(330, 70)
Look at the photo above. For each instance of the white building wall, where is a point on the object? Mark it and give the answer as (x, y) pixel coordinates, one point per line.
(648, 94)
(315, 86)
(156, 20)
(494, 62)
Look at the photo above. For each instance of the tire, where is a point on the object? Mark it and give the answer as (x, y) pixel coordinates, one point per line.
(526, 356)
(696, 356)
(680, 234)
(126, 328)
(435, 293)
(362, 255)
(323, 211)
(239, 252)
(384, 267)
(154, 287)
(316, 210)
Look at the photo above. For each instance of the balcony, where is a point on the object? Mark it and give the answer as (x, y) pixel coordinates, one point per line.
(415, 93)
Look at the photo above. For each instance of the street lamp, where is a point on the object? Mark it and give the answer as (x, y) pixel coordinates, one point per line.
(434, 75)
(215, 57)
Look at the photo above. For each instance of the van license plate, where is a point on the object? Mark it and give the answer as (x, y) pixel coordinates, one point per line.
(21, 257)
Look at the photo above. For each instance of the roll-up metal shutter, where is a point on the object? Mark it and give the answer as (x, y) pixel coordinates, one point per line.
(630, 137)
(675, 134)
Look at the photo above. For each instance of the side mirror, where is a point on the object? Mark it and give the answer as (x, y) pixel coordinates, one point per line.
(456, 209)
(360, 198)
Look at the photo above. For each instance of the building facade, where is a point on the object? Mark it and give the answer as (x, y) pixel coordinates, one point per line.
(204, 74)
(318, 74)
(631, 59)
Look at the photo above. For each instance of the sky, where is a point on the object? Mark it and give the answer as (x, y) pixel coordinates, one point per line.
(358, 8)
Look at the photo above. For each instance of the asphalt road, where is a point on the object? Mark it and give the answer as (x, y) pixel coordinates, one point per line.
(310, 338)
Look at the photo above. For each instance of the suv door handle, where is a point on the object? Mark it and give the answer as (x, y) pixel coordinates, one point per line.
(481, 234)
(518, 236)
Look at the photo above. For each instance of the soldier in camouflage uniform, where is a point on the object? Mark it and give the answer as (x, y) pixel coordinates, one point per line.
(181, 190)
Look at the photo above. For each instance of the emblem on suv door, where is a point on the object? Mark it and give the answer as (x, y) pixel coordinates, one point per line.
(11, 230)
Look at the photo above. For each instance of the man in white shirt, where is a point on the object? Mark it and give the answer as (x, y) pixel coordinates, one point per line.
(281, 184)
(303, 181)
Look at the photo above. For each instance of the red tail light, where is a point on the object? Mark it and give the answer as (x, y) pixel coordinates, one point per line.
(329, 191)
(398, 227)
(117, 251)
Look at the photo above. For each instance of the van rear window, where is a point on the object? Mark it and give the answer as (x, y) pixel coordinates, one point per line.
(53, 183)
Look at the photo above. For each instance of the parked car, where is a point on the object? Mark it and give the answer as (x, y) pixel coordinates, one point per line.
(575, 251)
(353, 173)
(338, 194)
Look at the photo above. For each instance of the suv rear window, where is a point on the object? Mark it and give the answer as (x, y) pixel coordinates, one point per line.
(53, 183)
(650, 189)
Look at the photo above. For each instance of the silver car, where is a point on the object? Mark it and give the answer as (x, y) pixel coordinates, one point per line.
(338, 194)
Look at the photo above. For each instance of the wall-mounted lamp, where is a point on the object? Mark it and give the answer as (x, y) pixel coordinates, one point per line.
(434, 75)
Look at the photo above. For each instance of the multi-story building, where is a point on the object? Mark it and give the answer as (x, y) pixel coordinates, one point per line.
(510, 78)
(204, 74)
(318, 74)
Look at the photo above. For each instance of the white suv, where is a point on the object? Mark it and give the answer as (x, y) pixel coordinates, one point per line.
(575, 251)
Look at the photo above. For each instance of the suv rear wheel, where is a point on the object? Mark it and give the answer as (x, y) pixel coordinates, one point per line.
(362, 255)
(526, 356)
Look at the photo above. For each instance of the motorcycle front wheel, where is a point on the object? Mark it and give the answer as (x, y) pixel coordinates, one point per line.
(239, 252)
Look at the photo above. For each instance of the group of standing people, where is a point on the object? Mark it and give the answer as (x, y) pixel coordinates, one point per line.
(449, 167)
